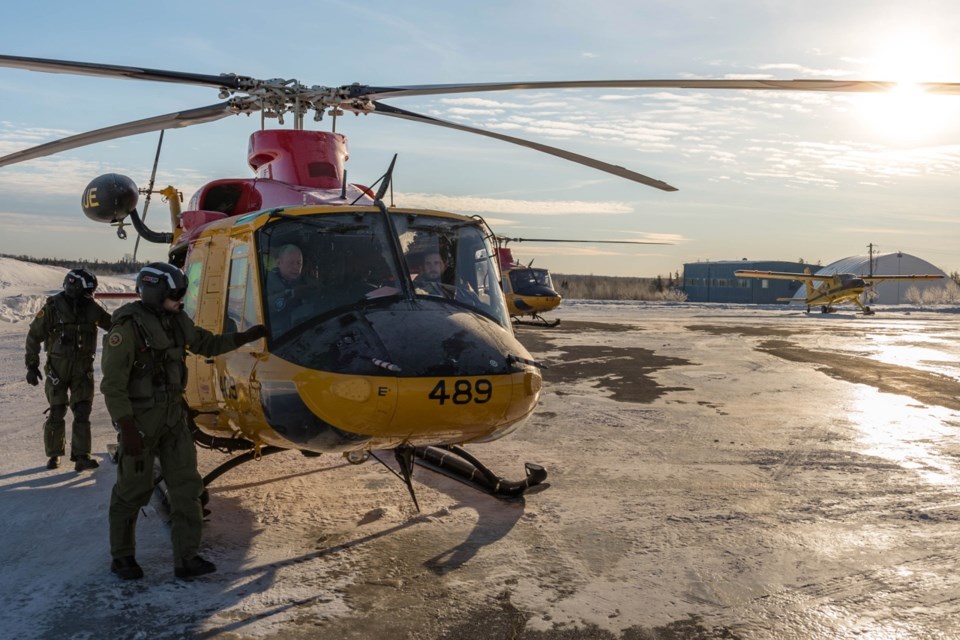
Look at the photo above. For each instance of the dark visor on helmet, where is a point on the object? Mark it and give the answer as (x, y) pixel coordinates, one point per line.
(174, 290)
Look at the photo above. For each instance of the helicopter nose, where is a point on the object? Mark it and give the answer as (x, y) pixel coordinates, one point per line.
(537, 290)
(436, 340)
(290, 416)
(447, 377)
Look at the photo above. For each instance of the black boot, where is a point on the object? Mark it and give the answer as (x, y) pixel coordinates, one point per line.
(85, 462)
(195, 566)
(53, 462)
(126, 568)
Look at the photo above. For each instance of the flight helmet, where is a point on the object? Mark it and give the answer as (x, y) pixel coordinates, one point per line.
(159, 281)
(79, 282)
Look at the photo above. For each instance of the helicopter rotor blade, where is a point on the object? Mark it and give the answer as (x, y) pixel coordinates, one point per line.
(230, 81)
(842, 86)
(169, 121)
(278, 96)
(235, 82)
(505, 239)
(616, 170)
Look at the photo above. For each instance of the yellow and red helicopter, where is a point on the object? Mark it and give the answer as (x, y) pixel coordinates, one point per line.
(529, 290)
(368, 358)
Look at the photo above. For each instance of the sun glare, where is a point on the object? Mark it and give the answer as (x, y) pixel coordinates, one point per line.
(907, 112)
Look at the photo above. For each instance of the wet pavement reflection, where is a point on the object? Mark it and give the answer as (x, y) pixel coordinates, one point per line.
(803, 473)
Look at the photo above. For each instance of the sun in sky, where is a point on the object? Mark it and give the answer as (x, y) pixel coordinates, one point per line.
(907, 112)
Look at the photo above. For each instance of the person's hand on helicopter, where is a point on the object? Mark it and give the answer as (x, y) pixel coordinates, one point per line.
(34, 376)
(255, 332)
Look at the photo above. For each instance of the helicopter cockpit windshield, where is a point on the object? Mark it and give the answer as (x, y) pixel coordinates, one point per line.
(450, 259)
(315, 266)
(523, 278)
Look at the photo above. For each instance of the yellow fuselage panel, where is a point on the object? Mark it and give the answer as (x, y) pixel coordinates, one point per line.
(464, 407)
(384, 410)
(519, 305)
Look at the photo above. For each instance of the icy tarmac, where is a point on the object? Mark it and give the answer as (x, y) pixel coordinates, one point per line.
(715, 472)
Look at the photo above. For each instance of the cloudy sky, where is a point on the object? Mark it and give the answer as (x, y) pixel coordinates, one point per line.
(761, 175)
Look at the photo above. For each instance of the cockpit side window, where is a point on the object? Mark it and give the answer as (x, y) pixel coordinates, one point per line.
(241, 308)
(451, 260)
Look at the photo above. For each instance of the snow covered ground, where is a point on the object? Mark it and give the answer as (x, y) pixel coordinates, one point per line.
(715, 471)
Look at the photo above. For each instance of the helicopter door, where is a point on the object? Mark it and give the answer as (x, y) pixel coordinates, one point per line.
(236, 372)
(202, 303)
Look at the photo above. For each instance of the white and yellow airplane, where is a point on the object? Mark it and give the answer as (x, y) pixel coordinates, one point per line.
(827, 290)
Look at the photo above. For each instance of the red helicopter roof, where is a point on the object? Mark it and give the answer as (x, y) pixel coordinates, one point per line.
(505, 259)
(293, 167)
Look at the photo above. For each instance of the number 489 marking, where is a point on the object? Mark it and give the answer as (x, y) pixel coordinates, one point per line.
(464, 392)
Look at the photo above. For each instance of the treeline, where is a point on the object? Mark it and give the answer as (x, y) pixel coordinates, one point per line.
(97, 267)
(619, 287)
(947, 294)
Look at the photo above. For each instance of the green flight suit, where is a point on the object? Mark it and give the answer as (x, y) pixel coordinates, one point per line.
(67, 329)
(144, 376)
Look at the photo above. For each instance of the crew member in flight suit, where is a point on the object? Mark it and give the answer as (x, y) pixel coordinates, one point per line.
(144, 377)
(67, 328)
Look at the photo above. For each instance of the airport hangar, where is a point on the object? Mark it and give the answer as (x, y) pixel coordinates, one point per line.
(715, 282)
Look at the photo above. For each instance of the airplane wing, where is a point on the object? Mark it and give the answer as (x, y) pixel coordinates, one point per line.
(919, 276)
(777, 275)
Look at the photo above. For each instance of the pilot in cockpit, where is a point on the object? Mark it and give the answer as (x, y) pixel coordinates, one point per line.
(287, 287)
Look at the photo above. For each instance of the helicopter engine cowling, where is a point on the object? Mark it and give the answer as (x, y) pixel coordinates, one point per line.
(110, 198)
(307, 158)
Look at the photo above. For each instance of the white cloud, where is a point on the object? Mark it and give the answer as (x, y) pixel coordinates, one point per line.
(473, 204)
(802, 70)
(460, 111)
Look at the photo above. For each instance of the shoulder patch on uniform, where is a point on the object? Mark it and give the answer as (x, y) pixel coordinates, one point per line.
(40, 313)
(115, 339)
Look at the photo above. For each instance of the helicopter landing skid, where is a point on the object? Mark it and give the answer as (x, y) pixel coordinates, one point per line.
(455, 462)
(538, 321)
(449, 460)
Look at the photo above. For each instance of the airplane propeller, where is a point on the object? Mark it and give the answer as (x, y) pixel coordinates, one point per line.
(278, 96)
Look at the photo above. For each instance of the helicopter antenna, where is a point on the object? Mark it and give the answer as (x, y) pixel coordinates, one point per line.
(146, 201)
(387, 178)
(384, 181)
